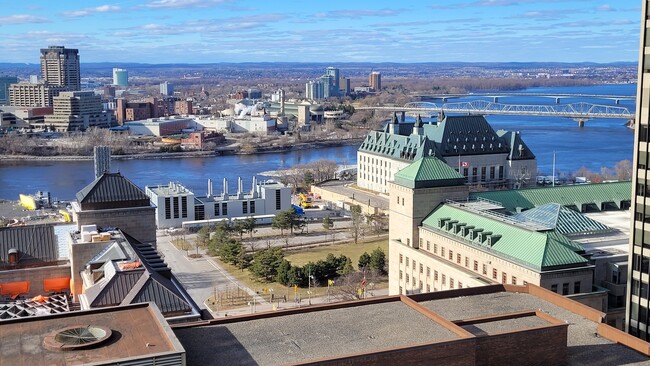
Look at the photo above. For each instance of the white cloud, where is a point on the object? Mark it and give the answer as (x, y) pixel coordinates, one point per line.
(89, 11)
(21, 19)
(177, 4)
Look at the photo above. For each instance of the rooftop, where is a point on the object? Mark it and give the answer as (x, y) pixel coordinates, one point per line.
(138, 332)
(111, 190)
(428, 172)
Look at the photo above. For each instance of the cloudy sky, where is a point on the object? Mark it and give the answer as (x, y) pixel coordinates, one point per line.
(198, 31)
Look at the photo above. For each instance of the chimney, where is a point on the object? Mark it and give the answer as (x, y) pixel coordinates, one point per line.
(225, 188)
(417, 127)
(240, 188)
(209, 187)
(254, 187)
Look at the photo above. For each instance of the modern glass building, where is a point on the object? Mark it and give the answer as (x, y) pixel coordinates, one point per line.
(638, 299)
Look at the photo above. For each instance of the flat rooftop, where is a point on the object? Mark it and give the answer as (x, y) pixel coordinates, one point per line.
(399, 322)
(347, 188)
(295, 338)
(138, 331)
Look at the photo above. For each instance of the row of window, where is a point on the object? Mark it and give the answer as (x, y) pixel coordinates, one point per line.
(172, 207)
(566, 286)
(443, 280)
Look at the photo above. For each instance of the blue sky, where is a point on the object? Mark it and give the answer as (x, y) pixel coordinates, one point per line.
(198, 31)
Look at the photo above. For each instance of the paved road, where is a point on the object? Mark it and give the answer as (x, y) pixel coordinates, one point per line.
(199, 276)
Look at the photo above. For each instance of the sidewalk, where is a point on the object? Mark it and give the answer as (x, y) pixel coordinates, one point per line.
(289, 304)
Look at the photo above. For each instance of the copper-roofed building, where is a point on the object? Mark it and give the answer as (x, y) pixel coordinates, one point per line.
(468, 144)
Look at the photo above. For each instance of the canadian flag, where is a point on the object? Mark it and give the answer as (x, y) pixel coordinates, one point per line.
(464, 164)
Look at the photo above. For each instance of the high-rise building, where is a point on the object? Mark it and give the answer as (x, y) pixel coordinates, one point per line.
(374, 80)
(120, 77)
(5, 82)
(637, 317)
(167, 88)
(60, 66)
(78, 111)
(345, 86)
(33, 95)
(333, 73)
(315, 89)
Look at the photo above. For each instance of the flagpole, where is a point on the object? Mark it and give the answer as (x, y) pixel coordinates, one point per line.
(553, 168)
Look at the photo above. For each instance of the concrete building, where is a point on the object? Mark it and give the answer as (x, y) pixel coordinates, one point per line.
(345, 86)
(60, 66)
(334, 81)
(467, 143)
(33, 95)
(374, 80)
(315, 90)
(5, 82)
(120, 77)
(23, 117)
(163, 126)
(177, 206)
(638, 294)
(78, 111)
(167, 88)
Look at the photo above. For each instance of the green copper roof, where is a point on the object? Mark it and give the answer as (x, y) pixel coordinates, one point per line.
(534, 249)
(571, 195)
(564, 220)
(428, 172)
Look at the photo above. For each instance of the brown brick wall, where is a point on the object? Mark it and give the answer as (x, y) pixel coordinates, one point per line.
(541, 346)
(35, 276)
(140, 223)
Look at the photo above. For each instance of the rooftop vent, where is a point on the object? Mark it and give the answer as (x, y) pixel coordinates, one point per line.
(76, 336)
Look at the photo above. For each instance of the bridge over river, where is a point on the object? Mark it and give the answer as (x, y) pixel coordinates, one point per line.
(496, 95)
(580, 112)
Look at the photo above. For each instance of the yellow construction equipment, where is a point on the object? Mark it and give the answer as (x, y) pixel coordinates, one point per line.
(305, 200)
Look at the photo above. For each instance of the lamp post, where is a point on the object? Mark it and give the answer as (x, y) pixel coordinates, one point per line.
(309, 278)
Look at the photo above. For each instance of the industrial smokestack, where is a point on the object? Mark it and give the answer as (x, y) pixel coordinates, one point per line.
(209, 187)
(225, 188)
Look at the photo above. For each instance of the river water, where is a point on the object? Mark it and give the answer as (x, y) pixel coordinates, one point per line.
(602, 142)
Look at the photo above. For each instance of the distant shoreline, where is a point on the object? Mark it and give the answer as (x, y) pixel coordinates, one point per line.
(186, 154)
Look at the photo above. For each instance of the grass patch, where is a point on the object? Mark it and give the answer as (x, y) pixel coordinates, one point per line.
(301, 257)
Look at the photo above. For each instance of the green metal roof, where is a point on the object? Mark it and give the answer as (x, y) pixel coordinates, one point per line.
(570, 195)
(518, 148)
(534, 249)
(564, 220)
(428, 172)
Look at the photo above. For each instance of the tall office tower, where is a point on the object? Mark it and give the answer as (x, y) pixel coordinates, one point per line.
(60, 66)
(333, 73)
(167, 88)
(33, 95)
(637, 316)
(374, 80)
(120, 77)
(345, 86)
(5, 81)
(78, 111)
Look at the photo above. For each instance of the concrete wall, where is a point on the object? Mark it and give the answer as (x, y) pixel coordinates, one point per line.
(138, 222)
(375, 171)
(80, 255)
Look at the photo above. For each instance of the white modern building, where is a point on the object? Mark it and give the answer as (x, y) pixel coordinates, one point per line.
(177, 206)
(120, 77)
(259, 125)
(162, 126)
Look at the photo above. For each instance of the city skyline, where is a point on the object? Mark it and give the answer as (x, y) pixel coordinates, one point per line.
(192, 31)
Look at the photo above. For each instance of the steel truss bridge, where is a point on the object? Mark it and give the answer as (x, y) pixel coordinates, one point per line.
(495, 96)
(579, 112)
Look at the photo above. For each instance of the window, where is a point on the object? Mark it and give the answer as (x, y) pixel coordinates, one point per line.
(442, 251)
(525, 283)
(421, 268)
(554, 288)
(408, 242)
(402, 201)
(428, 288)
(413, 280)
(421, 286)
(460, 284)
(168, 208)
(244, 207)
(501, 172)
(514, 280)
(435, 275)
(435, 248)
(565, 289)
(407, 262)
(398, 200)
(216, 209)
(400, 274)
(199, 212)
(428, 245)
(224, 209)
(491, 173)
(444, 279)
(421, 242)
(184, 207)
(576, 287)
(176, 208)
(451, 282)
(476, 266)
(252, 206)
(401, 290)
(495, 273)
(467, 262)
(451, 255)
(428, 272)
(485, 269)
(458, 258)
(504, 278)
(407, 278)
(414, 264)
(278, 201)
(474, 171)
(483, 175)
(401, 259)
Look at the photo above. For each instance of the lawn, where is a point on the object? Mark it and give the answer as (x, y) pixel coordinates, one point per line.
(354, 251)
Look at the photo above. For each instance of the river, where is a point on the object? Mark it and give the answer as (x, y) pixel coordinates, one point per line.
(601, 142)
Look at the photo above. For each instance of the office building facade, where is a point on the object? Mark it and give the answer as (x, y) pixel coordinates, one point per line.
(638, 297)
(78, 111)
(60, 66)
(374, 80)
(5, 82)
(33, 95)
(167, 88)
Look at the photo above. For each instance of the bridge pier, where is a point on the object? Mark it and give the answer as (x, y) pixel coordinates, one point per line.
(496, 99)
(557, 100)
(617, 101)
(581, 121)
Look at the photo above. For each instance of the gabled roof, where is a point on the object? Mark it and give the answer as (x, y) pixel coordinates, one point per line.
(428, 172)
(539, 250)
(518, 148)
(113, 290)
(564, 220)
(396, 146)
(35, 244)
(152, 287)
(111, 190)
(570, 195)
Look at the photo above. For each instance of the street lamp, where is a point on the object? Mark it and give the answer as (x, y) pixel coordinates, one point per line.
(309, 278)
